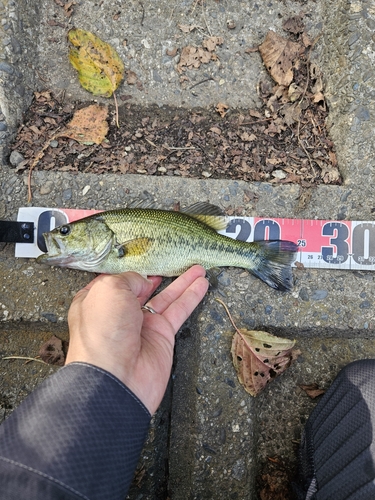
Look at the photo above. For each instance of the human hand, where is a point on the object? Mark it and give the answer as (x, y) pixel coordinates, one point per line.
(109, 329)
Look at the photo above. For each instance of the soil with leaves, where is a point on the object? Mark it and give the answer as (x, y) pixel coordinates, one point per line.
(285, 141)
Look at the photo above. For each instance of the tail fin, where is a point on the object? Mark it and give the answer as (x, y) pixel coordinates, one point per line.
(273, 263)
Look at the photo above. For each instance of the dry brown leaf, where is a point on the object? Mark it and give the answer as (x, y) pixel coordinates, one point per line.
(222, 109)
(68, 7)
(204, 55)
(246, 137)
(215, 130)
(211, 43)
(186, 28)
(306, 40)
(294, 92)
(88, 125)
(255, 113)
(259, 357)
(192, 57)
(329, 173)
(291, 113)
(53, 351)
(279, 56)
(294, 25)
(318, 97)
(131, 78)
(312, 390)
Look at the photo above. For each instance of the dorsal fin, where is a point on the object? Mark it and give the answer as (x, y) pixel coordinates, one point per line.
(211, 215)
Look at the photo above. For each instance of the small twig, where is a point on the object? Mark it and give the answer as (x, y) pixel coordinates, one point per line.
(143, 13)
(205, 20)
(45, 80)
(116, 108)
(175, 148)
(88, 167)
(150, 142)
(256, 121)
(194, 6)
(170, 148)
(170, 17)
(27, 358)
(203, 81)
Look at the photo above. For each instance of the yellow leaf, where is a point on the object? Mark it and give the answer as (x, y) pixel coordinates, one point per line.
(89, 125)
(100, 69)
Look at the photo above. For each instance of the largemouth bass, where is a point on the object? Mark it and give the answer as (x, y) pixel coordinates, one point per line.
(164, 243)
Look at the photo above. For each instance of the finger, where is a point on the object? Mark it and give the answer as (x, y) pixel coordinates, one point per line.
(156, 280)
(179, 310)
(165, 298)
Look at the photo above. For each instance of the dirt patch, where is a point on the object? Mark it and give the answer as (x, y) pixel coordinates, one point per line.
(274, 480)
(189, 143)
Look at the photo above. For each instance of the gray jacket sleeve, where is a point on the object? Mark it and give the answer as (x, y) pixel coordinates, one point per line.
(77, 436)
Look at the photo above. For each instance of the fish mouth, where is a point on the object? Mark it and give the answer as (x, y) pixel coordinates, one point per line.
(55, 252)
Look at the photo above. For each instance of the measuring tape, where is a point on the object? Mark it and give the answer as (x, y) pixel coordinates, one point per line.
(322, 244)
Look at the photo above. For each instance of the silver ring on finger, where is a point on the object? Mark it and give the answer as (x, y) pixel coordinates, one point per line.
(149, 309)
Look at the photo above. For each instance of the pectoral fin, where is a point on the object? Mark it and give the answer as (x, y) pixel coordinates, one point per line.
(135, 247)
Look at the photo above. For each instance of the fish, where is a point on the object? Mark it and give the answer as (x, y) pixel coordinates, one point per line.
(158, 242)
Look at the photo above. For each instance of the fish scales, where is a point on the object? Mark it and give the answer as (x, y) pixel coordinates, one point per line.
(166, 243)
(178, 242)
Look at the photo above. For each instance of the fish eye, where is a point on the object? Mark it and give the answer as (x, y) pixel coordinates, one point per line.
(64, 230)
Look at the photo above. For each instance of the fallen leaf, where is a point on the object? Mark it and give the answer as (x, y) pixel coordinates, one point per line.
(255, 113)
(215, 130)
(53, 351)
(250, 50)
(185, 28)
(211, 43)
(222, 109)
(88, 125)
(279, 56)
(294, 92)
(312, 390)
(316, 75)
(318, 97)
(291, 113)
(192, 57)
(306, 39)
(131, 78)
(246, 137)
(100, 69)
(294, 25)
(68, 7)
(259, 357)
